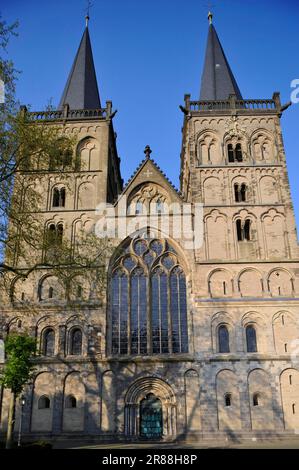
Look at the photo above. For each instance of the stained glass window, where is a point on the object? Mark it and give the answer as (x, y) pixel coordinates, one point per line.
(138, 312)
(120, 310)
(148, 300)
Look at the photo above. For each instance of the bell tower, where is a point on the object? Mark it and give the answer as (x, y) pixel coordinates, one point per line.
(233, 162)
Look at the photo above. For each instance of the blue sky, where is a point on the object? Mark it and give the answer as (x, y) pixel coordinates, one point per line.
(148, 54)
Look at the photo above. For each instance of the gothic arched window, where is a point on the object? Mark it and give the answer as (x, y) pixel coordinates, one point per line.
(148, 300)
(251, 339)
(49, 342)
(223, 339)
(76, 342)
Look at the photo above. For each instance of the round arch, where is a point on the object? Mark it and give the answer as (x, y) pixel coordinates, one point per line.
(134, 396)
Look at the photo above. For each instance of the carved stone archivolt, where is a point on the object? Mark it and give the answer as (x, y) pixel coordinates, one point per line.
(137, 392)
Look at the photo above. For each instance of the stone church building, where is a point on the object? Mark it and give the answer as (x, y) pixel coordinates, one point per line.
(186, 343)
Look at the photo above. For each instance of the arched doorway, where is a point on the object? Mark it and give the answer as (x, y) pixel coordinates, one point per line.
(151, 417)
(150, 400)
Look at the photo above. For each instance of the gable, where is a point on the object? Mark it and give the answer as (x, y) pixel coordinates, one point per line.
(148, 178)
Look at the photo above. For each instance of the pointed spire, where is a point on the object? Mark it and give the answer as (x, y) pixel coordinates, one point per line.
(217, 81)
(81, 89)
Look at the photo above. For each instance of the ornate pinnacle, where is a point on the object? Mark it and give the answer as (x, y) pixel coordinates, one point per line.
(147, 151)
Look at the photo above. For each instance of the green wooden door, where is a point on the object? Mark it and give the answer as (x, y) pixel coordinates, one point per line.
(151, 419)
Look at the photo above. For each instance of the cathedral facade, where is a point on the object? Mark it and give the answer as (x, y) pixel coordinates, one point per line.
(186, 343)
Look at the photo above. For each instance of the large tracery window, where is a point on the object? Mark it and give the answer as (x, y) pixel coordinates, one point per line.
(148, 300)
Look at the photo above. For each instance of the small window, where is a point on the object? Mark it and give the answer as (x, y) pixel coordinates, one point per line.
(70, 402)
(59, 233)
(19, 323)
(76, 342)
(51, 292)
(44, 403)
(247, 226)
(238, 153)
(61, 155)
(54, 234)
(290, 379)
(251, 339)
(223, 338)
(56, 197)
(243, 230)
(243, 191)
(228, 399)
(49, 343)
(256, 399)
(294, 408)
(239, 230)
(230, 153)
(51, 233)
(237, 193)
(59, 197)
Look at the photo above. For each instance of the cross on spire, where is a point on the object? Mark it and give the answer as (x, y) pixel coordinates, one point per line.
(147, 151)
(89, 5)
(210, 6)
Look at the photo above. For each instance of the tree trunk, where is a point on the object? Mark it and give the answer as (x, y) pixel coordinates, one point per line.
(11, 421)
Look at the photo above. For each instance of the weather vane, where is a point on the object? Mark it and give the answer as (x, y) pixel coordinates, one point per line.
(88, 7)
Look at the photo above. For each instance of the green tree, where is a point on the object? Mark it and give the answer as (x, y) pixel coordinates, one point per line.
(17, 371)
(26, 146)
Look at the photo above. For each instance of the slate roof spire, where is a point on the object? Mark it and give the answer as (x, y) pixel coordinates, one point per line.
(81, 89)
(217, 81)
